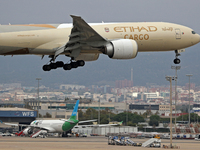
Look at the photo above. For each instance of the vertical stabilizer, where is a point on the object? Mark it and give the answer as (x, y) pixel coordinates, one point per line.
(74, 113)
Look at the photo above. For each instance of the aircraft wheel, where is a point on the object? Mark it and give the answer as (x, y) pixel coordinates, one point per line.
(53, 65)
(177, 61)
(46, 68)
(74, 64)
(67, 67)
(81, 63)
(59, 64)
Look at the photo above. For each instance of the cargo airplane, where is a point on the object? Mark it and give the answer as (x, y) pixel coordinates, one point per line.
(84, 42)
(55, 126)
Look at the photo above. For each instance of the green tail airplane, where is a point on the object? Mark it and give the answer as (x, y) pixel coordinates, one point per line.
(56, 126)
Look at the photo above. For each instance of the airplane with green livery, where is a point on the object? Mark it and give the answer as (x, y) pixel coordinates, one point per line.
(54, 126)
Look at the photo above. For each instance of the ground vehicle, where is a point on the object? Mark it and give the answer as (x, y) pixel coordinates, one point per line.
(155, 144)
(2, 134)
(157, 136)
(5, 134)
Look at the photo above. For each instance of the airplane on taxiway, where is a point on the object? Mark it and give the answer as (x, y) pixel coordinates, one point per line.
(55, 126)
(84, 42)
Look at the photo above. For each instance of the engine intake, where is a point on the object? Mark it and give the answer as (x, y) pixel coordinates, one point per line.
(122, 49)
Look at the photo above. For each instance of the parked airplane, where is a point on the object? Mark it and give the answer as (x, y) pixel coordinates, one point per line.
(54, 126)
(84, 42)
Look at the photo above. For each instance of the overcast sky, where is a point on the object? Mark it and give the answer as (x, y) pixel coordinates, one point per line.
(184, 12)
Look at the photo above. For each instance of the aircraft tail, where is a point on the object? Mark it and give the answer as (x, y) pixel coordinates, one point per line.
(74, 113)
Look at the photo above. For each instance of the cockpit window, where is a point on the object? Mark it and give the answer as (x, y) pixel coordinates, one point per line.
(193, 32)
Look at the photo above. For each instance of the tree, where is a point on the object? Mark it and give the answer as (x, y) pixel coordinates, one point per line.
(27, 106)
(154, 120)
(48, 115)
(193, 117)
(80, 114)
(40, 116)
(134, 118)
(147, 113)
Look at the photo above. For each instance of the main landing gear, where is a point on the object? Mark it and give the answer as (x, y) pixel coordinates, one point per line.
(59, 64)
(177, 60)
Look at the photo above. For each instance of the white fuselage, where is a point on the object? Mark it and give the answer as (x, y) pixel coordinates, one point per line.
(52, 126)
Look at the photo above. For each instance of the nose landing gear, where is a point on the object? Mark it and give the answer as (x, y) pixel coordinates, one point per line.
(177, 60)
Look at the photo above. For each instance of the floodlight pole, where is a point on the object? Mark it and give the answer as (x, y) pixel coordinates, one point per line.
(38, 96)
(189, 75)
(169, 78)
(176, 68)
(126, 114)
(99, 113)
(38, 86)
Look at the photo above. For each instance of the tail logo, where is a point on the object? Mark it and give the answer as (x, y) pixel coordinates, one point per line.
(74, 113)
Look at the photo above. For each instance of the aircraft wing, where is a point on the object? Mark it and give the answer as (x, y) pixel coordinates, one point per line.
(82, 36)
(12, 124)
(31, 126)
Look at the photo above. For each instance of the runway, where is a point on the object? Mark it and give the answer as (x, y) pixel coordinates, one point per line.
(89, 143)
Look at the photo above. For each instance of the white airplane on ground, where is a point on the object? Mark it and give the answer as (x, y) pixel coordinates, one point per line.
(84, 42)
(55, 126)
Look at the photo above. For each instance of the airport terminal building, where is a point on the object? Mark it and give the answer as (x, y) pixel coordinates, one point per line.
(21, 115)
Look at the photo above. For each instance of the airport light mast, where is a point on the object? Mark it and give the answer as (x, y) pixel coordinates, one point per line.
(189, 75)
(169, 78)
(38, 96)
(38, 87)
(99, 111)
(176, 68)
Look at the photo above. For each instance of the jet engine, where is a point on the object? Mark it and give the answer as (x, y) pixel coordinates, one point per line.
(121, 49)
(28, 131)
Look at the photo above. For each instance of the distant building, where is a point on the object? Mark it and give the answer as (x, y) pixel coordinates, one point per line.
(142, 96)
(20, 115)
(143, 107)
(192, 86)
(71, 86)
(165, 94)
(166, 107)
(123, 83)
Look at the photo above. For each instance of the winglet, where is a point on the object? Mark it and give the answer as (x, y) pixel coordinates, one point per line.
(74, 113)
(1, 121)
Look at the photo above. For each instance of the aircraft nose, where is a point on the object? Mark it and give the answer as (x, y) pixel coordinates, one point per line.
(196, 39)
(199, 37)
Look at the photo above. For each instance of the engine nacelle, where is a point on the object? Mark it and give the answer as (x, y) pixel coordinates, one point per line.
(122, 49)
(27, 131)
(87, 57)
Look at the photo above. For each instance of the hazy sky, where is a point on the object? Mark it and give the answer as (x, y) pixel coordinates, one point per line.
(184, 12)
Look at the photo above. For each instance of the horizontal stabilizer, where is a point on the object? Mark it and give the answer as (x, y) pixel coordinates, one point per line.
(70, 121)
(87, 121)
(98, 125)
